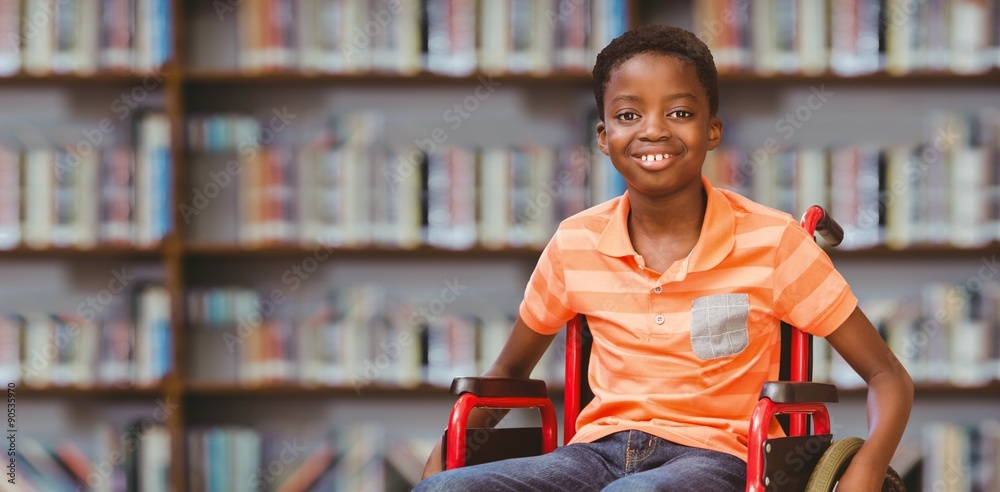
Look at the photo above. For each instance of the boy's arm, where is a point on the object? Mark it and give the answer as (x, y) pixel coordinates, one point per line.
(890, 397)
(523, 350)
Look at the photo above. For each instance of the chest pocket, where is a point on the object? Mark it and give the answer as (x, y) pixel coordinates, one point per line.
(719, 325)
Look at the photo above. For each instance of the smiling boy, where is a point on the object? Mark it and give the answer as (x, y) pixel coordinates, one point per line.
(684, 287)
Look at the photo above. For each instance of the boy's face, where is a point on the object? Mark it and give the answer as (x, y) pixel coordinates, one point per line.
(657, 127)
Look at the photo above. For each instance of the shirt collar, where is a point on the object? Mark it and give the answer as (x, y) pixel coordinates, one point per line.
(714, 243)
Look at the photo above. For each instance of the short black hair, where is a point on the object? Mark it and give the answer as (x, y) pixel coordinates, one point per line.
(664, 40)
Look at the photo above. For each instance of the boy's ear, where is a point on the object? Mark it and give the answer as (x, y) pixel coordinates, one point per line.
(714, 133)
(602, 137)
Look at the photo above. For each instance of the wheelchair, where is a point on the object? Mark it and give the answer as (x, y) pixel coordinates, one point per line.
(794, 400)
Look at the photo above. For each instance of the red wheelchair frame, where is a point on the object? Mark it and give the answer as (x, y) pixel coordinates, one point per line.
(797, 398)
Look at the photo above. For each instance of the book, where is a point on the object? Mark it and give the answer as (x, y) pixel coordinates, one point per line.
(10, 199)
(39, 186)
(10, 344)
(451, 36)
(10, 50)
(153, 180)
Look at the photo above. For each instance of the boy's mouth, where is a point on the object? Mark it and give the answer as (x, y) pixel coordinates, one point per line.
(654, 161)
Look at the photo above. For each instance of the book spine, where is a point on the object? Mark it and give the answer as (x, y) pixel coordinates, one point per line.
(10, 348)
(10, 30)
(39, 198)
(10, 198)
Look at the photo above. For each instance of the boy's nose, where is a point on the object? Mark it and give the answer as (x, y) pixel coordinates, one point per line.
(655, 129)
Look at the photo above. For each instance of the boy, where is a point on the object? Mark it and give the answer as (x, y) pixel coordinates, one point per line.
(683, 287)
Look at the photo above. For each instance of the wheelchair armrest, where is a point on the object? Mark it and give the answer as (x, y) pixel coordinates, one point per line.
(792, 392)
(493, 387)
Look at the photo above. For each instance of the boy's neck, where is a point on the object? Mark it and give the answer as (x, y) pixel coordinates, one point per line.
(666, 227)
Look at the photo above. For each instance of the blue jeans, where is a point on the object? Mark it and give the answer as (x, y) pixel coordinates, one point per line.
(624, 461)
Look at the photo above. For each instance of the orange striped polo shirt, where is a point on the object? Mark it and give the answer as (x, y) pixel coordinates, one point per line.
(682, 354)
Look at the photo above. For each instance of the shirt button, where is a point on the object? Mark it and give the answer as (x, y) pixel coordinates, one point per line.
(659, 319)
(657, 289)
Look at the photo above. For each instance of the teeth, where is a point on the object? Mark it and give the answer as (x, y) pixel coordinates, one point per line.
(654, 157)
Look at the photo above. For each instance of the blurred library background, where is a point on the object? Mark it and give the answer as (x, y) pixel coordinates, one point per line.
(247, 244)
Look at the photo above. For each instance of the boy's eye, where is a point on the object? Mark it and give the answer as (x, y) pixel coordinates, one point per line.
(628, 116)
(680, 113)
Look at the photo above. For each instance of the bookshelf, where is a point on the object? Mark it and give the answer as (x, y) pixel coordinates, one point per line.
(183, 260)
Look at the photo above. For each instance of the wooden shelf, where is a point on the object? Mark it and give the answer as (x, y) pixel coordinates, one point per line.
(935, 391)
(95, 252)
(210, 77)
(108, 392)
(228, 390)
(916, 252)
(990, 78)
(122, 78)
(215, 251)
(224, 77)
(233, 390)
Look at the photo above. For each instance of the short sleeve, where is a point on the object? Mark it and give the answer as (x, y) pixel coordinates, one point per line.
(809, 293)
(545, 306)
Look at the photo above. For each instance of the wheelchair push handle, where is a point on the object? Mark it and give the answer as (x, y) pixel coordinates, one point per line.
(816, 219)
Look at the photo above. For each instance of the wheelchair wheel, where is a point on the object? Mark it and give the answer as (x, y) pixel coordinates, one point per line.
(834, 462)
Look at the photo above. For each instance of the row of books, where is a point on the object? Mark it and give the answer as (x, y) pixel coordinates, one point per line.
(949, 336)
(359, 458)
(961, 457)
(348, 188)
(457, 198)
(82, 197)
(114, 460)
(223, 132)
(85, 36)
(219, 308)
(460, 197)
(453, 37)
(357, 337)
(851, 37)
(937, 192)
(360, 337)
(121, 349)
